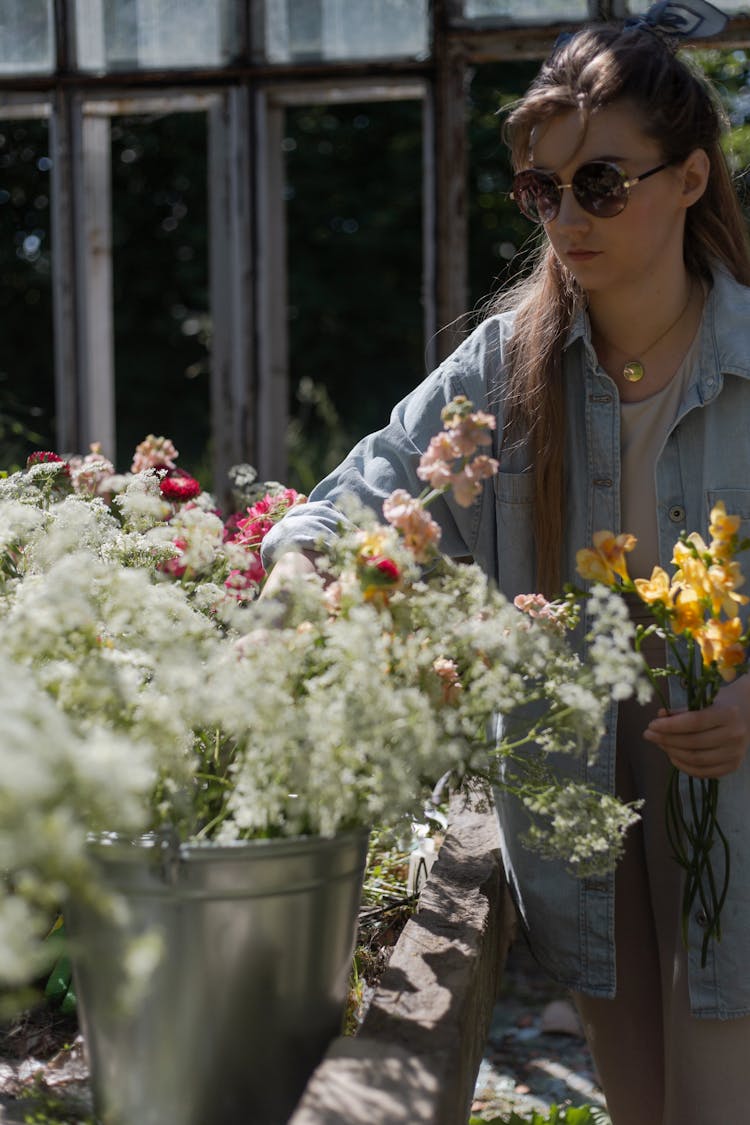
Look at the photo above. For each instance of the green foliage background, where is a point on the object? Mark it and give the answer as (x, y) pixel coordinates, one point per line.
(353, 199)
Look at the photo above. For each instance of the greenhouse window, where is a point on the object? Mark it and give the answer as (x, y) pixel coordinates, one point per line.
(26, 37)
(339, 30)
(116, 35)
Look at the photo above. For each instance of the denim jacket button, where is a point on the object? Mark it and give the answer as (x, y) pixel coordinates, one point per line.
(677, 513)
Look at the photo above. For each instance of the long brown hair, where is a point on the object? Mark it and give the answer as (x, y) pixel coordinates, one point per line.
(597, 67)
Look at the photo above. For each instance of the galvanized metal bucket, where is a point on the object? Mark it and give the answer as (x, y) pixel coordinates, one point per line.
(251, 987)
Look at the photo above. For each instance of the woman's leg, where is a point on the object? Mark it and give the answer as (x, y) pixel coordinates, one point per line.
(708, 1061)
(626, 1034)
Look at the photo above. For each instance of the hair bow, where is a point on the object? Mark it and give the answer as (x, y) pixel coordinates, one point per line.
(694, 19)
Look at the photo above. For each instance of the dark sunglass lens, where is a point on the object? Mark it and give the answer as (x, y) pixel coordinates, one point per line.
(537, 195)
(600, 189)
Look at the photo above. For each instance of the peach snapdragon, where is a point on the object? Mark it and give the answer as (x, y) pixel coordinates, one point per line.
(420, 532)
(451, 460)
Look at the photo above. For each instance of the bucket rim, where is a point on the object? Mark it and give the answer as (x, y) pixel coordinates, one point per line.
(125, 846)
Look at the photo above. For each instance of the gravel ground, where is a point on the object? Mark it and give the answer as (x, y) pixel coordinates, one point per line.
(536, 1054)
(527, 1065)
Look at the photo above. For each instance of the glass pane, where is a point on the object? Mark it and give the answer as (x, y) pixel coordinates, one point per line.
(528, 11)
(142, 34)
(27, 390)
(26, 37)
(500, 239)
(299, 30)
(160, 271)
(354, 214)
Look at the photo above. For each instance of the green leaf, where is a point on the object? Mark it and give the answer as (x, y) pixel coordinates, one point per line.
(570, 1115)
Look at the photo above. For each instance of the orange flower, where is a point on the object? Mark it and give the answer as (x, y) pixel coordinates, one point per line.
(656, 588)
(720, 643)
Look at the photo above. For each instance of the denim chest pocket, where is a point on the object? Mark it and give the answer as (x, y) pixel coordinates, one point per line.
(514, 502)
(736, 501)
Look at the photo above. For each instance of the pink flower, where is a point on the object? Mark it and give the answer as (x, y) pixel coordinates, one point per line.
(252, 532)
(175, 567)
(261, 517)
(536, 605)
(467, 484)
(154, 453)
(447, 672)
(421, 533)
(450, 460)
(90, 472)
(243, 584)
(472, 431)
(436, 464)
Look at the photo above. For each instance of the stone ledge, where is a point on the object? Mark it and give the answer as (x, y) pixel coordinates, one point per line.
(416, 1057)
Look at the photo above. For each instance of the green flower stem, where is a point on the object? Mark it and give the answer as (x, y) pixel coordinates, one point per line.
(692, 835)
(208, 828)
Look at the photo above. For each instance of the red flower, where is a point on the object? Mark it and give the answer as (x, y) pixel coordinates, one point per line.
(387, 568)
(179, 486)
(44, 457)
(379, 577)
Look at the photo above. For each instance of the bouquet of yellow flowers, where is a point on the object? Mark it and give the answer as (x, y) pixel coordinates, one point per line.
(697, 614)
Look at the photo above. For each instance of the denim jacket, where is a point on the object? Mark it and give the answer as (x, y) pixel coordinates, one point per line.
(706, 457)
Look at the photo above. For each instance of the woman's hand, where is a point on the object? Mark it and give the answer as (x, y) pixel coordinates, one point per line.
(291, 566)
(709, 743)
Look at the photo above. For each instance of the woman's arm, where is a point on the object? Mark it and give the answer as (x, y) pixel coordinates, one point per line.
(388, 459)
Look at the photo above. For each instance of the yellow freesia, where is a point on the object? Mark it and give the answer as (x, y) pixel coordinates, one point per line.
(655, 589)
(722, 582)
(592, 566)
(720, 643)
(691, 572)
(614, 548)
(605, 561)
(698, 542)
(688, 611)
(721, 526)
(375, 542)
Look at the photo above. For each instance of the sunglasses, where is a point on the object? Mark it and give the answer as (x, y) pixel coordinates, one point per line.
(599, 187)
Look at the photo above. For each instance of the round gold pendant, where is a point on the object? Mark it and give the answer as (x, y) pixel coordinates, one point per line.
(633, 371)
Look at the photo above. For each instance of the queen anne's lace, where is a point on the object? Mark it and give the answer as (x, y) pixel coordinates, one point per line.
(135, 700)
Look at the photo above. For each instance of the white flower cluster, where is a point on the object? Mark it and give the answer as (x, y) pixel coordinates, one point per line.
(131, 702)
(582, 825)
(616, 664)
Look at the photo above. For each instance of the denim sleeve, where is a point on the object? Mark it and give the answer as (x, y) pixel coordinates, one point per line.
(388, 459)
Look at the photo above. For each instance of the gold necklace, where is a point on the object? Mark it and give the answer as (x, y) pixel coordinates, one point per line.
(634, 370)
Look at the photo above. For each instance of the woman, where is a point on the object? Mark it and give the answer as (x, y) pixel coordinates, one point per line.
(620, 377)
